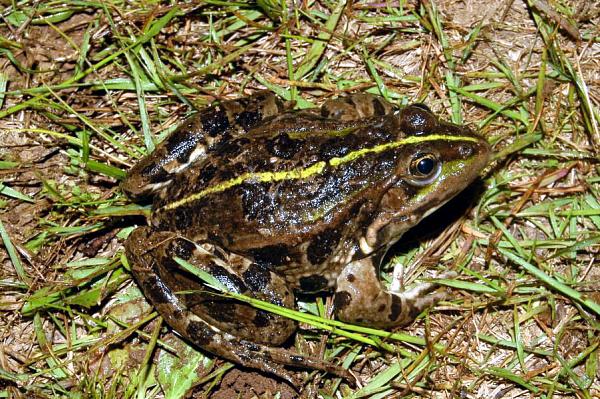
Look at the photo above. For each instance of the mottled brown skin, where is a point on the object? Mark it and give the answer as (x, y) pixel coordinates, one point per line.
(272, 202)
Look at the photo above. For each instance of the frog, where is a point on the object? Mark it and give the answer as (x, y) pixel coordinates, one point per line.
(274, 202)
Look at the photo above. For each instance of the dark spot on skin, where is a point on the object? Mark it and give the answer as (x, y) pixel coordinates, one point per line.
(256, 202)
(216, 122)
(199, 332)
(214, 238)
(378, 108)
(243, 141)
(224, 312)
(183, 249)
(180, 248)
(273, 255)
(248, 119)
(251, 346)
(335, 147)
(155, 173)
(350, 277)
(156, 290)
(206, 174)
(181, 144)
(283, 146)
(321, 246)
(225, 174)
(396, 307)
(232, 282)
(169, 264)
(262, 319)
(387, 132)
(257, 277)
(183, 217)
(314, 283)
(342, 299)
(297, 359)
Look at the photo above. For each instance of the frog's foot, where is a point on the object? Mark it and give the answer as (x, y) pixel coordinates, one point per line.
(361, 298)
(234, 331)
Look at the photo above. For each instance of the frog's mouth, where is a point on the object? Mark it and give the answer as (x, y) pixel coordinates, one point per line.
(405, 205)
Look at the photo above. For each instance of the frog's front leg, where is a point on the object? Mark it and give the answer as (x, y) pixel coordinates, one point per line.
(360, 297)
(229, 329)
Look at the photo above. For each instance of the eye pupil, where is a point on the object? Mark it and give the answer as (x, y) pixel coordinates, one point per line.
(425, 166)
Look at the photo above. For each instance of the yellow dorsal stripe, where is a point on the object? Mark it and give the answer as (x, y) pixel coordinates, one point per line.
(317, 168)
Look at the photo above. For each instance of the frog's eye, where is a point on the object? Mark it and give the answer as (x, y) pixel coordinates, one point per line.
(424, 168)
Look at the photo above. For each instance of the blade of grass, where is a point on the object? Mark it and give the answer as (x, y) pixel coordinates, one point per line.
(3, 85)
(12, 193)
(508, 375)
(518, 339)
(497, 108)
(554, 284)
(452, 80)
(14, 257)
(138, 77)
(316, 50)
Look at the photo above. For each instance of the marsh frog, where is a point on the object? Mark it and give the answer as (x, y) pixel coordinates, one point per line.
(273, 202)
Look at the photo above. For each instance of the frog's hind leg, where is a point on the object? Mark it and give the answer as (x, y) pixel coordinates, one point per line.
(194, 314)
(360, 297)
(195, 137)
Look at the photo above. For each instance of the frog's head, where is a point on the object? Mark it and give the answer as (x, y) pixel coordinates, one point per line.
(435, 161)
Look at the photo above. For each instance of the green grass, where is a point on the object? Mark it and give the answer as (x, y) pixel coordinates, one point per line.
(88, 88)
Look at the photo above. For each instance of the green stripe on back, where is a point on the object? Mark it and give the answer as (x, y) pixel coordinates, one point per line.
(315, 169)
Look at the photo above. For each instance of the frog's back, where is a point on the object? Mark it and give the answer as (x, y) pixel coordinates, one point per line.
(291, 179)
